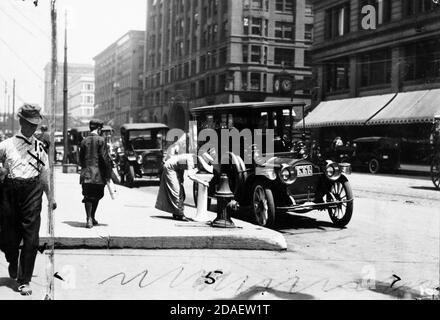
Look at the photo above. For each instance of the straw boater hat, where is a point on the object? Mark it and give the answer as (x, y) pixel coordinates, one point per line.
(30, 113)
(206, 160)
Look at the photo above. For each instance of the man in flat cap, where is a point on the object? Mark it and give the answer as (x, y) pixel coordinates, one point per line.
(95, 170)
(24, 178)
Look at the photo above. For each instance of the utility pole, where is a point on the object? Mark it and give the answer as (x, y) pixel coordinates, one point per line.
(65, 92)
(13, 107)
(6, 112)
(50, 270)
(9, 112)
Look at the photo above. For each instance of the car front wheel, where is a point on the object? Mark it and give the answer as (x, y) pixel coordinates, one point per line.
(435, 172)
(263, 205)
(374, 166)
(341, 213)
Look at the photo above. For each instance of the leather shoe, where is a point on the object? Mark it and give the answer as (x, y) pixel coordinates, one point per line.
(13, 270)
(25, 289)
(89, 224)
(181, 218)
(95, 222)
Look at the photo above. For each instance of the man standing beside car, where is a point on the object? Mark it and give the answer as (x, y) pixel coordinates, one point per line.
(96, 170)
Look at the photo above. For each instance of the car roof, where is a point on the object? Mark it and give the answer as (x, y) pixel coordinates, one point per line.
(247, 105)
(143, 126)
(87, 128)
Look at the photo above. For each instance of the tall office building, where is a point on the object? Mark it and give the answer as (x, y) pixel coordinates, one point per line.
(118, 80)
(377, 66)
(203, 52)
(75, 70)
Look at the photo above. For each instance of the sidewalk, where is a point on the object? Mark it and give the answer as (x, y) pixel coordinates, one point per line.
(131, 221)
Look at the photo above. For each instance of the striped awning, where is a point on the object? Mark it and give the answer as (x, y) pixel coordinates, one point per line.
(410, 107)
(345, 112)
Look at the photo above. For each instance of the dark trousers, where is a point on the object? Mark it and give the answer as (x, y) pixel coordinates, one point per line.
(20, 209)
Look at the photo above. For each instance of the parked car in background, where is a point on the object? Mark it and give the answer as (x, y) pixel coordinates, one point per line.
(142, 151)
(376, 154)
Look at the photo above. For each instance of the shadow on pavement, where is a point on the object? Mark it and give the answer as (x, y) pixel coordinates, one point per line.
(400, 292)
(82, 225)
(9, 283)
(259, 292)
(146, 183)
(289, 221)
(424, 188)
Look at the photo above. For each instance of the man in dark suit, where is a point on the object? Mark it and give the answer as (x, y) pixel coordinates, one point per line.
(95, 170)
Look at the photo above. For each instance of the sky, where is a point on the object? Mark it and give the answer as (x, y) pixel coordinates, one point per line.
(25, 38)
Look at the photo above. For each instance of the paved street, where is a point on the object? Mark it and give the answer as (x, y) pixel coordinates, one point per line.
(390, 250)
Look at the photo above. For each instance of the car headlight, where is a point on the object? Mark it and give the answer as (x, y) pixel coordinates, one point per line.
(333, 171)
(287, 174)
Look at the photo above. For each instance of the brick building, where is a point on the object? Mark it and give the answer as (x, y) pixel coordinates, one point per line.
(210, 52)
(377, 65)
(118, 80)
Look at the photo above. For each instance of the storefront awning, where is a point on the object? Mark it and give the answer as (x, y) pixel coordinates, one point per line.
(410, 107)
(353, 111)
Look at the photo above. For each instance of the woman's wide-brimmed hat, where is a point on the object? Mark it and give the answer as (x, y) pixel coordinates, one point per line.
(206, 161)
(30, 113)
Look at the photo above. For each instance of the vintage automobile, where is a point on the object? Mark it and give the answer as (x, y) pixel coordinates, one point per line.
(435, 152)
(376, 154)
(143, 147)
(293, 179)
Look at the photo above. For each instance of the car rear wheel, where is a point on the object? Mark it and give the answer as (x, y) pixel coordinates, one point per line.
(374, 166)
(435, 172)
(196, 193)
(341, 214)
(263, 205)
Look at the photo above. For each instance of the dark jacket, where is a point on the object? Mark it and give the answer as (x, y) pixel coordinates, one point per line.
(94, 160)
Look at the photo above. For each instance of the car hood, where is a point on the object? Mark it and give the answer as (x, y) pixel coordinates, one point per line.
(277, 162)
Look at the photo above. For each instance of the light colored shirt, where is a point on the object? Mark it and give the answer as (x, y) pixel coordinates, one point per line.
(24, 158)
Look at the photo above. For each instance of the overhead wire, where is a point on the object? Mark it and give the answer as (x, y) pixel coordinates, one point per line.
(22, 60)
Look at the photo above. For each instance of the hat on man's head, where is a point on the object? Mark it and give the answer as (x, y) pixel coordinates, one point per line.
(95, 124)
(30, 113)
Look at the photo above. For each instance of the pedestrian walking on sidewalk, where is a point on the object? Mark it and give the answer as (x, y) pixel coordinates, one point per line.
(24, 178)
(171, 196)
(96, 170)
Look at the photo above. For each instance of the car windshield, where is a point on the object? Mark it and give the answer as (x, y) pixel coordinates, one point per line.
(146, 139)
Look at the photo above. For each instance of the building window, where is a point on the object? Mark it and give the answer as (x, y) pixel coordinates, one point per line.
(257, 4)
(256, 26)
(413, 7)
(256, 54)
(382, 8)
(422, 60)
(246, 25)
(244, 81)
(255, 81)
(223, 56)
(285, 57)
(284, 5)
(376, 68)
(337, 21)
(307, 58)
(337, 75)
(308, 33)
(245, 49)
(308, 9)
(283, 30)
